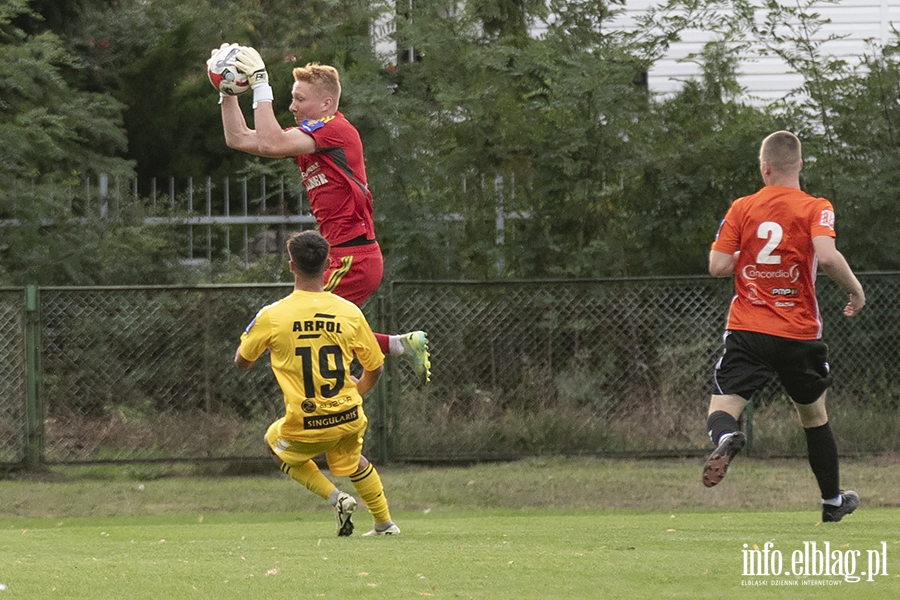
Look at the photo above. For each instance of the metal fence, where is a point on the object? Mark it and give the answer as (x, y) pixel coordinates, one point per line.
(243, 218)
(601, 367)
(13, 422)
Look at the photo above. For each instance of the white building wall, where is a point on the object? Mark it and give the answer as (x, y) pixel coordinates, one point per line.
(765, 78)
(768, 78)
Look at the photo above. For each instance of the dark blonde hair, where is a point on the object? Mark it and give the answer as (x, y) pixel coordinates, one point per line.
(782, 151)
(309, 253)
(321, 77)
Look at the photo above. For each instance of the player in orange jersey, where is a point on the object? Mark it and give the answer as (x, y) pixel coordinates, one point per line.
(773, 242)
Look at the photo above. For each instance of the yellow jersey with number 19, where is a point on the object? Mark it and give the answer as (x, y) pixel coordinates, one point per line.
(312, 338)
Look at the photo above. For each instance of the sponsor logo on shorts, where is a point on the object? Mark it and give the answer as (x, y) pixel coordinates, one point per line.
(326, 421)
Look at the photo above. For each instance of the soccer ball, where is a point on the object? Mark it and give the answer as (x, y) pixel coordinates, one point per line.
(223, 75)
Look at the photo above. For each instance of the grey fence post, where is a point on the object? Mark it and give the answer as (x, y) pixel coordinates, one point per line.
(381, 393)
(33, 430)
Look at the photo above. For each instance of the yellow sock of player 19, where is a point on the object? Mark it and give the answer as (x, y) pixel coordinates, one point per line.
(368, 486)
(309, 476)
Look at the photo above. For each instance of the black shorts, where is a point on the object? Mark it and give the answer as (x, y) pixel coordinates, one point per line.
(751, 359)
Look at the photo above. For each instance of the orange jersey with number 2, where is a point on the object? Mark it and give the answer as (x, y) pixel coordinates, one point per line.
(775, 273)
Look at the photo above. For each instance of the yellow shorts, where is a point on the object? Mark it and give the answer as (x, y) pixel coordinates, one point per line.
(342, 454)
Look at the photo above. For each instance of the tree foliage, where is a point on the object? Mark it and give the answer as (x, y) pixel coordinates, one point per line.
(51, 134)
(492, 152)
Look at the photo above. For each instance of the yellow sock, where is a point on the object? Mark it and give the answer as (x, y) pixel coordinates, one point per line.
(309, 476)
(368, 486)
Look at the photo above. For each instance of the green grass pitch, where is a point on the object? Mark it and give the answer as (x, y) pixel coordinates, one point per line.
(189, 537)
(517, 554)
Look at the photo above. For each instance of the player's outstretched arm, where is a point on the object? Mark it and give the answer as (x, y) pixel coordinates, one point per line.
(238, 136)
(271, 140)
(835, 266)
(275, 142)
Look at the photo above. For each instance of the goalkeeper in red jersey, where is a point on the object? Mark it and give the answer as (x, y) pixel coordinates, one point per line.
(329, 153)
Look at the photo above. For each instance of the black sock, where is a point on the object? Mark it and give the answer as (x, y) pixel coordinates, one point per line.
(823, 459)
(720, 423)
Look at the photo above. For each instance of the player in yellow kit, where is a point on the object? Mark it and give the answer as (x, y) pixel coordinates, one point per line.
(312, 336)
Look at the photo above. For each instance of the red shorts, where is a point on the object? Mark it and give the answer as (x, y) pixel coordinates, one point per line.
(354, 272)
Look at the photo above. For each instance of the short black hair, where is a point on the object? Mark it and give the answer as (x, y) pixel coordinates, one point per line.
(309, 252)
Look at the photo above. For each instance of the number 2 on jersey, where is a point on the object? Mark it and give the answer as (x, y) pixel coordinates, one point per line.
(772, 232)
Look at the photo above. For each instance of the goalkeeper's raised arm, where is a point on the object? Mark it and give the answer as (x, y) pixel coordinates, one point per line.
(271, 139)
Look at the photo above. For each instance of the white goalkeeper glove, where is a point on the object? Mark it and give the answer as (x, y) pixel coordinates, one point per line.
(212, 53)
(249, 62)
